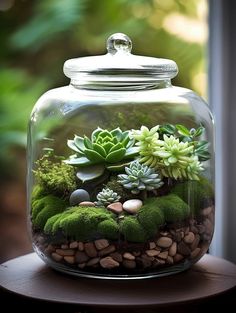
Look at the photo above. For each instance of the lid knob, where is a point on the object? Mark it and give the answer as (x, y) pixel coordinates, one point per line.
(119, 42)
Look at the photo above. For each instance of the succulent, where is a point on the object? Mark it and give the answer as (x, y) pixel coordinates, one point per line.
(105, 149)
(107, 196)
(139, 177)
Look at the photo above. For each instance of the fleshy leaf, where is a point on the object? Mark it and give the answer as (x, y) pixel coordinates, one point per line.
(105, 133)
(99, 149)
(93, 156)
(82, 161)
(118, 167)
(71, 144)
(79, 141)
(95, 133)
(91, 172)
(131, 152)
(182, 130)
(116, 147)
(117, 133)
(87, 143)
(115, 156)
(107, 146)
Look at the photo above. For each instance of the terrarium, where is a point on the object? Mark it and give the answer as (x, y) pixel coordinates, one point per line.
(121, 169)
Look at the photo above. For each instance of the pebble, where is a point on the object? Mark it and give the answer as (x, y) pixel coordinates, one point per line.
(208, 226)
(206, 211)
(93, 262)
(152, 245)
(80, 246)
(73, 245)
(194, 229)
(146, 260)
(128, 256)
(195, 243)
(173, 249)
(164, 242)
(82, 265)
(115, 207)
(78, 196)
(107, 250)
(81, 257)
(189, 238)
(108, 262)
(56, 257)
(201, 229)
(101, 244)
(64, 246)
(152, 252)
(87, 203)
(183, 249)
(65, 252)
(116, 256)
(163, 255)
(195, 253)
(129, 264)
(178, 257)
(90, 249)
(170, 260)
(69, 259)
(132, 206)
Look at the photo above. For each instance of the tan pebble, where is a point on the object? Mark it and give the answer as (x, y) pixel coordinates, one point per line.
(69, 259)
(93, 261)
(128, 256)
(65, 252)
(146, 260)
(161, 261)
(49, 249)
(182, 234)
(178, 237)
(186, 230)
(87, 203)
(108, 262)
(115, 207)
(195, 243)
(101, 243)
(82, 265)
(183, 249)
(163, 255)
(132, 206)
(107, 250)
(208, 226)
(81, 257)
(56, 257)
(178, 257)
(136, 253)
(195, 253)
(189, 238)
(129, 263)
(152, 245)
(173, 249)
(80, 246)
(152, 252)
(73, 245)
(164, 233)
(206, 211)
(164, 242)
(194, 229)
(116, 256)
(201, 228)
(64, 246)
(157, 262)
(90, 249)
(170, 260)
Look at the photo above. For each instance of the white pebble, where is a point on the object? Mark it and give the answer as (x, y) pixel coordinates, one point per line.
(132, 206)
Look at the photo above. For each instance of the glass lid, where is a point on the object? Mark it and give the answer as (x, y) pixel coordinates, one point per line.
(119, 65)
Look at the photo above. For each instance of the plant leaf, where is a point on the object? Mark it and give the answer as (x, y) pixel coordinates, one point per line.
(118, 167)
(82, 161)
(93, 156)
(99, 149)
(91, 172)
(116, 156)
(87, 143)
(107, 146)
(182, 130)
(167, 129)
(131, 152)
(199, 131)
(71, 144)
(117, 133)
(79, 142)
(95, 133)
(116, 147)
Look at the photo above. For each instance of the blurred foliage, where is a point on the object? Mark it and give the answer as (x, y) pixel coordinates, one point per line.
(37, 36)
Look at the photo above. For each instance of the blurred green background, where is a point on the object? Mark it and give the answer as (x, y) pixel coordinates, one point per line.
(37, 36)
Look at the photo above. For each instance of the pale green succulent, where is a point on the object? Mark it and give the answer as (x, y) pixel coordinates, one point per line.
(106, 197)
(139, 177)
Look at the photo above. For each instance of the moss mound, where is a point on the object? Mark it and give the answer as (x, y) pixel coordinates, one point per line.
(44, 208)
(132, 230)
(195, 193)
(83, 223)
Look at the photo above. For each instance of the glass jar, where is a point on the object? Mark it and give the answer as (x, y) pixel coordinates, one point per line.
(121, 169)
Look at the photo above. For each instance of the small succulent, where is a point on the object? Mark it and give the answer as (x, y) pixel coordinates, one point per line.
(107, 196)
(105, 149)
(139, 177)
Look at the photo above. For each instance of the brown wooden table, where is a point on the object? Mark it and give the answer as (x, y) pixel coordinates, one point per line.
(208, 284)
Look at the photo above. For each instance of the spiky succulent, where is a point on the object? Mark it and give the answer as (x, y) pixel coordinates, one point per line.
(107, 196)
(139, 177)
(105, 149)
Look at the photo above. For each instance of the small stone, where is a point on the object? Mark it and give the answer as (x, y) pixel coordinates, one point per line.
(164, 233)
(201, 228)
(128, 256)
(56, 257)
(194, 229)
(186, 230)
(81, 257)
(183, 249)
(49, 250)
(164, 242)
(78, 196)
(152, 245)
(178, 257)
(101, 244)
(80, 246)
(73, 245)
(161, 262)
(90, 249)
(132, 206)
(195, 253)
(208, 226)
(173, 249)
(107, 250)
(129, 263)
(115, 207)
(207, 211)
(146, 260)
(189, 238)
(195, 243)
(69, 259)
(116, 256)
(163, 255)
(152, 252)
(170, 260)
(177, 237)
(87, 203)
(136, 253)
(108, 262)
(82, 265)
(93, 262)
(40, 239)
(65, 252)
(64, 246)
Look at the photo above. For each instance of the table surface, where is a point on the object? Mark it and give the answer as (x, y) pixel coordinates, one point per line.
(29, 277)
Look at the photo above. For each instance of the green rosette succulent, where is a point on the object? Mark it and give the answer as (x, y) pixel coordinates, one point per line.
(105, 149)
(107, 196)
(139, 177)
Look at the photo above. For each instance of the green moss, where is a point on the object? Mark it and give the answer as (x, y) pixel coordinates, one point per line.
(109, 229)
(132, 230)
(151, 216)
(48, 228)
(194, 193)
(37, 193)
(44, 208)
